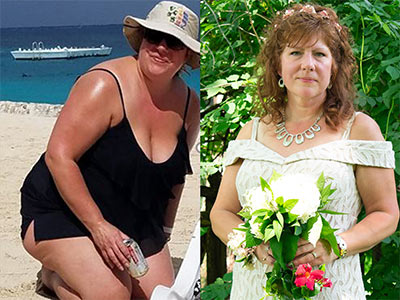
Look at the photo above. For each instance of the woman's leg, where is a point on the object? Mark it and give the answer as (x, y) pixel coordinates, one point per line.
(80, 272)
(160, 271)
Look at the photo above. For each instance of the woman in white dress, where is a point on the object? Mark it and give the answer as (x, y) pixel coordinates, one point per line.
(307, 83)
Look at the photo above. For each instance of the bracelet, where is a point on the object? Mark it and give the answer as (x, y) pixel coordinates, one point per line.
(342, 245)
(236, 242)
(167, 229)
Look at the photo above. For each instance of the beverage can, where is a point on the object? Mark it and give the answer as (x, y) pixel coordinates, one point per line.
(138, 264)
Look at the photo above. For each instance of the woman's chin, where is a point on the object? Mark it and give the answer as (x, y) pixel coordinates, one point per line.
(307, 93)
(160, 71)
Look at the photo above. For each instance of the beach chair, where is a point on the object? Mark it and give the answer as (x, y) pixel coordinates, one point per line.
(188, 278)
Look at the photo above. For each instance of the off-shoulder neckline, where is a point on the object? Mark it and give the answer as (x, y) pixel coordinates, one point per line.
(341, 141)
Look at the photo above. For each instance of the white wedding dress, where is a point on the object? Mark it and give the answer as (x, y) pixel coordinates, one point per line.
(337, 160)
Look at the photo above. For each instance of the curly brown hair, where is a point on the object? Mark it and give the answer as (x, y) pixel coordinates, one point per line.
(292, 28)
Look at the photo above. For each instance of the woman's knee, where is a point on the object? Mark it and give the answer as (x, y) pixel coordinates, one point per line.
(116, 287)
(112, 291)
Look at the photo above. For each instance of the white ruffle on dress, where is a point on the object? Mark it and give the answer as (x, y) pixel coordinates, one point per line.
(337, 160)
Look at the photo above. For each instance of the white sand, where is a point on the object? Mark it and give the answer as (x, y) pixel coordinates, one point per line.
(23, 137)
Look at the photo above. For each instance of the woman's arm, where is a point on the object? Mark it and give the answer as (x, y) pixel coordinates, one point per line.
(223, 214)
(87, 114)
(377, 189)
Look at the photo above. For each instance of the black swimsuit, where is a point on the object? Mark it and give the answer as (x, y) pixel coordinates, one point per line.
(131, 191)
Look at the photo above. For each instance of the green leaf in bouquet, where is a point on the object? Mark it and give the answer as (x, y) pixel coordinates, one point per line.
(260, 212)
(245, 227)
(277, 248)
(289, 204)
(307, 294)
(275, 175)
(265, 185)
(331, 212)
(289, 243)
(321, 182)
(251, 241)
(327, 233)
(268, 215)
(288, 284)
(291, 217)
(322, 267)
(297, 223)
(277, 229)
(268, 234)
(279, 201)
(298, 230)
(241, 260)
(241, 229)
(297, 293)
(258, 220)
(280, 218)
(245, 213)
(310, 223)
(326, 192)
(264, 225)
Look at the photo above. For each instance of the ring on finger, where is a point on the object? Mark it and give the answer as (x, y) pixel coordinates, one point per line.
(314, 254)
(264, 259)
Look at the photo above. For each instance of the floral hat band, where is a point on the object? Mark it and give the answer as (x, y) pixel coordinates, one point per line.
(310, 10)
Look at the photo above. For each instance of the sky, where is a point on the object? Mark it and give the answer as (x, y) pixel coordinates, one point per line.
(36, 13)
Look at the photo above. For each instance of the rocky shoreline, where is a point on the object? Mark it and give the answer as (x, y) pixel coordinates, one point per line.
(33, 109)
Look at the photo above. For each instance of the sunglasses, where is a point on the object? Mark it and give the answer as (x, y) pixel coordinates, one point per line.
(155, 37)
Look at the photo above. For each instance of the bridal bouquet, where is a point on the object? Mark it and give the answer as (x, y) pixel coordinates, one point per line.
(280, 212)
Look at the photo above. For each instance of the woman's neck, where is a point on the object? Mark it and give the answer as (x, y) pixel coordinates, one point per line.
(158, 87)
(303, 110)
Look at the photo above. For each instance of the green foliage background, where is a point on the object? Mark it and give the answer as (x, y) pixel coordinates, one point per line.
(231, 35)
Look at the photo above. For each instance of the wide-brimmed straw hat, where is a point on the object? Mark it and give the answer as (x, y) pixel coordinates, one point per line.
(171, 18)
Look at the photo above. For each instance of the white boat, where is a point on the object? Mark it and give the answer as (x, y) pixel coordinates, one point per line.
(38, 51)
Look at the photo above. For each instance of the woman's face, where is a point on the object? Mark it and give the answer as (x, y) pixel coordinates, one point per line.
(306, 70)
(158, 58)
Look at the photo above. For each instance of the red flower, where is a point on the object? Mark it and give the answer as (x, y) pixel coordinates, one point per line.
(305, 276)
(326, 282)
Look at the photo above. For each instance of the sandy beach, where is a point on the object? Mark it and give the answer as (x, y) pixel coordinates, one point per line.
(24, 132)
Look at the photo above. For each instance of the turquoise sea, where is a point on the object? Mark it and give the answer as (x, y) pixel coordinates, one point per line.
(49, 81)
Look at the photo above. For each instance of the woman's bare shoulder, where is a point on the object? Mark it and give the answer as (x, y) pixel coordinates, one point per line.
(96, 93)
(95, 84)
(245, 132)
(365, 128)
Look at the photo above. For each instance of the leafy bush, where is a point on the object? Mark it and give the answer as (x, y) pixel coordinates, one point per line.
(219, 290)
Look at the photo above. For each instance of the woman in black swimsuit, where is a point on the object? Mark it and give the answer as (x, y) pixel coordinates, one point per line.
(115, 165)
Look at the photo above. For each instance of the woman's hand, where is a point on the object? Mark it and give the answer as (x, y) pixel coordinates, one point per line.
(264, 254)
(109, 241)
(318, 255)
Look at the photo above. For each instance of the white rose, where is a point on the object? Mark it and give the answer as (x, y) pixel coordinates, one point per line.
(257, 199)
(302, 187)
(315, 232)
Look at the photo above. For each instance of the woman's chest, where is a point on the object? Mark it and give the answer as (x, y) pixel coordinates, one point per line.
(339, 175)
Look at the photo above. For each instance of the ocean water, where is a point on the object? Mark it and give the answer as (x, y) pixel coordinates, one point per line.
(49, 81)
